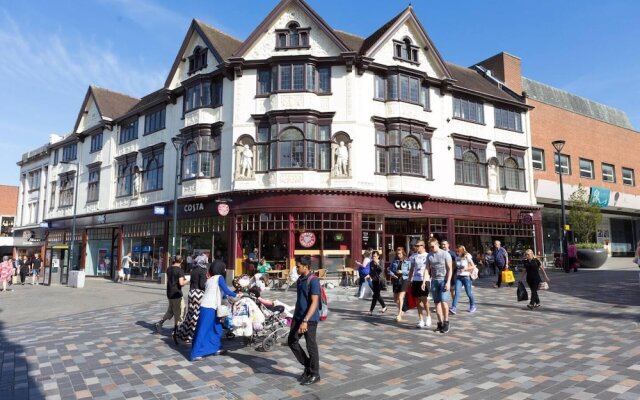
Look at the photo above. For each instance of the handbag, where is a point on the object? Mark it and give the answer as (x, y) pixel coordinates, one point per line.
(507, 276)
(543, 286)
(222, 311)
(522, 292)
(474, 273)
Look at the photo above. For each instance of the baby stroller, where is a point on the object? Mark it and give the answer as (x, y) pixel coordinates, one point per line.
(277, 319)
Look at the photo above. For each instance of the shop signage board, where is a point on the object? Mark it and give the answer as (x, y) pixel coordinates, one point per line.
(159, 210)
(193, 207)
(307, 239)
(223, 209)
(599, 196)
(407, 205)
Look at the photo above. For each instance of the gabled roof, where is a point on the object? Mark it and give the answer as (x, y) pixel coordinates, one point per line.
(473, 80)
(276, 12)
(576, 104)
(151, 99)
(219, 43)
(354, 42)
(110, 104)
(378, 37)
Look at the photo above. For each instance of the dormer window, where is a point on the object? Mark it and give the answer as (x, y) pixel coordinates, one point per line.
(405, 51)
(293, 37)
(197, 60)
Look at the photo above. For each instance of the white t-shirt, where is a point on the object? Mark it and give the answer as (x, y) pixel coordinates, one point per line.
(419, 265)
(462, 263)
(125, 261)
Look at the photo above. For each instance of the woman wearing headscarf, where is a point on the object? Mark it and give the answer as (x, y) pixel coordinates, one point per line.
(197, 285)
(207, 338)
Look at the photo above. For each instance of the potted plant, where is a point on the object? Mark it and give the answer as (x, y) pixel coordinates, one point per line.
(584, 218)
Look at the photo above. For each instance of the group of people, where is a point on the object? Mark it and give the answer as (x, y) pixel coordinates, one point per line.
(23, 267)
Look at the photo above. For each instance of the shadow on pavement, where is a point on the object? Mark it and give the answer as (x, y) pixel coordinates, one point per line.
(261, 364)
(15, 382)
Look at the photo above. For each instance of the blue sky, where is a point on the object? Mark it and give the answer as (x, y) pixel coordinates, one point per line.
(51, 51)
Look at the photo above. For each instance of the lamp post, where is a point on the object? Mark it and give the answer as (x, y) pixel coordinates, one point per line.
(558, 145)
(75, 206)
(177, 143)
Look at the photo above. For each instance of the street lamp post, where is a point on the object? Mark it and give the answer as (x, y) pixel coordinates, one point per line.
(75, 207)
(177, 143)
(558, 145)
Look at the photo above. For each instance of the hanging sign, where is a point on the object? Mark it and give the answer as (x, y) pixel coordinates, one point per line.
(223, 209)
(599, 196)
(307, 239)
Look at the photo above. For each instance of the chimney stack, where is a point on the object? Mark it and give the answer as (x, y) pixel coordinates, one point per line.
(506, 68)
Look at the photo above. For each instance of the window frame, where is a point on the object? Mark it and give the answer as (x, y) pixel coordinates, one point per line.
(212, 99)
(478, 147)
(633, 177)
(459, 103)
(284, 37)
(96, 142)
(613, 173)
(314, 78)
(93, 183)
(406, 51)
(557, 163)
(149, 155)
(207, 144)
(510, 174)
(391, 152)
(197, 60)
(66, 189)
(392, 87)
(500, 114)
(592, 172)
(124, 174)
(155, 120)
(541, 161)
(128, 131)
(70, 152)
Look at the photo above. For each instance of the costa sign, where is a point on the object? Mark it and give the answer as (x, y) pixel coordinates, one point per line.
(408, 205)
(193, 207)
(307, 239)
(223, 209)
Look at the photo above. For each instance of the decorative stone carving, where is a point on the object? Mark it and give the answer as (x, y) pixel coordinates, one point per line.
(288, 179)
(137, 182)
(342, 160)
(340, 156)
(494, 179)
(245, 160)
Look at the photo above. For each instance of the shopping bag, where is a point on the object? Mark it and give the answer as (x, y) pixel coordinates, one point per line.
(543, 286)
(412, 302)
(365, 291)
(522, 292)
(507, 276)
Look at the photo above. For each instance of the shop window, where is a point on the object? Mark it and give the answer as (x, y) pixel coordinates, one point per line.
(67, 183)
(126, 170)
(403, 150)
(628, 177)
(608, 173)
(293, 37)
(93, 187)
(197, 60)
(146, 242)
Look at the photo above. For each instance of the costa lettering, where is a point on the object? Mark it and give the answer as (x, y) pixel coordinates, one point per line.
(408, 205)
(194, 207)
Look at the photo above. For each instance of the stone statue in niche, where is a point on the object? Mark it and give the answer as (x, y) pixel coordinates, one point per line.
(342, 160)
(244, 155)
(494, 181)
(136, 183)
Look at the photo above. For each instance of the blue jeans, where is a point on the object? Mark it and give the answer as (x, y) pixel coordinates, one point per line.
(466, 282)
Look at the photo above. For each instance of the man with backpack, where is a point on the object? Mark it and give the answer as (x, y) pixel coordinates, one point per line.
(305, 322)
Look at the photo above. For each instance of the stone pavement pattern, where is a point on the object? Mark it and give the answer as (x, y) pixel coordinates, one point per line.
(582, 344)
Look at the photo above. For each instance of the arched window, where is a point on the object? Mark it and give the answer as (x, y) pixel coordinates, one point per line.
(190, 161)
(198, 59)
(512, 175)
(470, 173)
(293, 36)
(406, 50)
(411, 156)
(291, 149)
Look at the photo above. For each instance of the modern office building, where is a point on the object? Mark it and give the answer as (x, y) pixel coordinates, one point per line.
(300, 139)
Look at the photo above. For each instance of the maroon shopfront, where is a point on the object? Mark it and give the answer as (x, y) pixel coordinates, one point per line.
(335, 227)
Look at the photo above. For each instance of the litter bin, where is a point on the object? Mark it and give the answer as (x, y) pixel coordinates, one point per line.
(76, 279)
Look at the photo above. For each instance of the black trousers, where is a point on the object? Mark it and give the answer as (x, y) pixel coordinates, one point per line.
(376, 296)
(500, 269)
(23, 275)
(311, 362)
(533, 286)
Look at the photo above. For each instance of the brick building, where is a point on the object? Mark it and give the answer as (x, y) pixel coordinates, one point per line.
(8, 205)
(601, 153)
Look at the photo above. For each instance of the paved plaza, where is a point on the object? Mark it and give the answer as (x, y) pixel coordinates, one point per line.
(98, 342)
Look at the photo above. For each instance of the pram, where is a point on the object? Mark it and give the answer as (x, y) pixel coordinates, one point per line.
(256, 319)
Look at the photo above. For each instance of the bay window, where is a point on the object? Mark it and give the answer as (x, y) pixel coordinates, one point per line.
(402, 149)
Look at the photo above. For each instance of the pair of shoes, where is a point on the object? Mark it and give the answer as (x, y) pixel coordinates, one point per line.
(158, 327)
(530, 306)
(370, 313)
(428, 323)
(496, 286)
(398, 319)
(420, 324)
(472, 309)
(311, 379)
(438, 328)
(453, 310)
(175, 338)
(383, 310)
(536, 305)
(445, 327)
(221, 352)
(304, 376)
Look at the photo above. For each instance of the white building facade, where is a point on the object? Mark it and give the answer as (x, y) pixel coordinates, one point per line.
(299, 140)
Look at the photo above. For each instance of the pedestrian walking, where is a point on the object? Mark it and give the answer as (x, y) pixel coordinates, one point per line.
(439, 267)
(531, 273)
(376, 274)
(572, 253)
(175, 282)
(420, 284)
(464, 266)
(363, 271)
(637, 258)
(6, 272)
(24, 267)
(127, 262)
(197, 284)
(501, 260)
(36, 264)
(305, 322)
(445, 246)
(399, 272)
